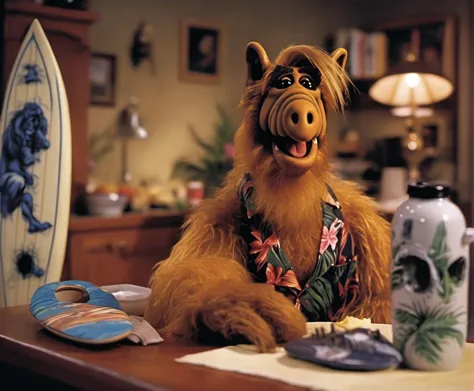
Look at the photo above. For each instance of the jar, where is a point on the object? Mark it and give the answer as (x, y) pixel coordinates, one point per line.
(429, 278)
(195, 193)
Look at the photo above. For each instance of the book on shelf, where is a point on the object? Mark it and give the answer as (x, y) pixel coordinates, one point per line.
(368, 52)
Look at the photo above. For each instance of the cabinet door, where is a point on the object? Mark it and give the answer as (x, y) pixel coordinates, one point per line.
(119, 257)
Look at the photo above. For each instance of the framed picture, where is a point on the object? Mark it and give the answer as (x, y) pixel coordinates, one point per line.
(102, 79)
(201, 52)
(437, 41)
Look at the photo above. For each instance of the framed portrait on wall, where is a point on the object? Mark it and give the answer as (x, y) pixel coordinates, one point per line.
(201, 52)
(102, 79)
(437, 41)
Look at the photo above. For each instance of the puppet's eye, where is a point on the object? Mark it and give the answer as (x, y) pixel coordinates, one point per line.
(307, 82)
(284, 82)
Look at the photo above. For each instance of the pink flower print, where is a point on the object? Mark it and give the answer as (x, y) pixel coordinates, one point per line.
(275, 277)
(329, 236)
(262, 247)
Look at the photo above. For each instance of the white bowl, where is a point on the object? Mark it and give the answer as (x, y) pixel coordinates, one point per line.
(111, 204)
(132, 298)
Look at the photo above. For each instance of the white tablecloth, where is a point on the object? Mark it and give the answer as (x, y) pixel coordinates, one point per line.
(279, 366)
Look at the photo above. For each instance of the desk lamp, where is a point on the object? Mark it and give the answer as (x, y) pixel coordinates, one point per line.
(407, 86)
(129, 128)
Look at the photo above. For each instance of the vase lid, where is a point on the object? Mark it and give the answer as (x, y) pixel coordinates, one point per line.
(425, 190)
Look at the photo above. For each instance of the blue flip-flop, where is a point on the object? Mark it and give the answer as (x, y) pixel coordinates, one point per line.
(85, 313)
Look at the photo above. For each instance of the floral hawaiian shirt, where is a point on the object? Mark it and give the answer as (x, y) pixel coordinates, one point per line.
(333, 283)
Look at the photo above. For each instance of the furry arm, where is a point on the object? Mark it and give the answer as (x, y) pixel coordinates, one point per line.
(203, 291)
(371, 233)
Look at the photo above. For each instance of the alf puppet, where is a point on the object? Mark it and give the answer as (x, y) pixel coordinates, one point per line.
(284, 241)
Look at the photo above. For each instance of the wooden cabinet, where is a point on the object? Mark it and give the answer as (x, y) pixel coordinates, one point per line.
(67, 32)
(120, 250)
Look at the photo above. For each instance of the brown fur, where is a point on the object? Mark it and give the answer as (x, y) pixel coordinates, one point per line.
(203, 289)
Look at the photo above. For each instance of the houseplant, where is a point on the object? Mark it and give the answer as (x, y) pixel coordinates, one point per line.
(217, 158)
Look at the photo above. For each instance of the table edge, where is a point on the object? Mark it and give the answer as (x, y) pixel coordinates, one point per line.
(21, 350)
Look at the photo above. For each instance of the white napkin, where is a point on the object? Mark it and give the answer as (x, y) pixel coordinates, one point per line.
(279, 366)
(142, 332)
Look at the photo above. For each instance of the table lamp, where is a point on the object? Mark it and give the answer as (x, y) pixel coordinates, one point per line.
(407, 86)
(129, 128)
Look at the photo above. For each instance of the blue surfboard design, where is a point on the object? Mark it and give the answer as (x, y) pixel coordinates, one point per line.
(35, 172)
(24, 140)
(32, 73)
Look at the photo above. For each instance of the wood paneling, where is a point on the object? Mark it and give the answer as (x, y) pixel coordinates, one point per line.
(120, 250)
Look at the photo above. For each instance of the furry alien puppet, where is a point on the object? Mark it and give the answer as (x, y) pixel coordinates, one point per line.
(284, 241)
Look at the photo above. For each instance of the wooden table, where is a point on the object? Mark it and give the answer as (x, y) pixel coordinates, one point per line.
(32, 359)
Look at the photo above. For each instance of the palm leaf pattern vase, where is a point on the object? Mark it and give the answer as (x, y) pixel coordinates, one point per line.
(426, 330)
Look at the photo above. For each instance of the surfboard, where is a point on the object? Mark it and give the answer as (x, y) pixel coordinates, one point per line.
(35, 172)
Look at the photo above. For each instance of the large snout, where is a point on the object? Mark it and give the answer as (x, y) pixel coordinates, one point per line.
(296, 115)
(299, 118)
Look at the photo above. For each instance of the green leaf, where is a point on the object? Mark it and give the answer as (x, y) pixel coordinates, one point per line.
(213, 167)
(328, 215)
(448, 288)
(402, 336)
(320, 295)
(189, 170)
(446, 332)
(439, 251)
(426, 347)
(275, 258)
(208, 148)
(324, 262)
(405, 317)
(337, 271)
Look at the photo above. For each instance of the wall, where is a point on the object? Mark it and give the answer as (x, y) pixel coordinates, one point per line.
(168, 105)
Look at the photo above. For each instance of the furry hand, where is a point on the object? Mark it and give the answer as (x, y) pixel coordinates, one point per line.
(254, 312)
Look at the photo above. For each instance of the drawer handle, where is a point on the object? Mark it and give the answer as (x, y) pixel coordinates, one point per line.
(117, 246)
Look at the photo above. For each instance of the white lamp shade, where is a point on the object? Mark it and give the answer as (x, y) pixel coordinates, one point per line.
(393, 90)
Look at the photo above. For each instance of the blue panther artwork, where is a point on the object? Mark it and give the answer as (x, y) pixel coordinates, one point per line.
(23, 141)
(32, 73)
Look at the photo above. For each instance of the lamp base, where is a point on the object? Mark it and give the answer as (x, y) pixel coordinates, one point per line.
(414, 174)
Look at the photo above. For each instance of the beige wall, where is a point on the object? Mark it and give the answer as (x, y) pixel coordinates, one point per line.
(168, 105)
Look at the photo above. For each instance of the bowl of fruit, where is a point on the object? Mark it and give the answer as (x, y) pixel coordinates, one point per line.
(108, 200)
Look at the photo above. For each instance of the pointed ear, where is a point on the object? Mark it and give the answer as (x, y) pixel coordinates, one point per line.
(340, 56)
(257, 62)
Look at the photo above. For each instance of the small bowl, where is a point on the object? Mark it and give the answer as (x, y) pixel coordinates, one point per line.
(111, 204)
(132, 298)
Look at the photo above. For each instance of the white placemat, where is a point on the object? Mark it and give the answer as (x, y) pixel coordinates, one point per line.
(279, 366)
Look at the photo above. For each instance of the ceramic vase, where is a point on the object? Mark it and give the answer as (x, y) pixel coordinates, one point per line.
(429, 279)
